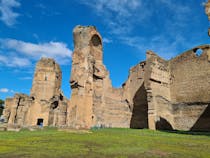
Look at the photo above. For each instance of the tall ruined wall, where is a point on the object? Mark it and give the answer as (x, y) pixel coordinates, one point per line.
(93, 102)
(207, 9)
(45, 105)
(16, 109)
(157, 84)
(47, 94)
(47, 79)
(135, 94)
(190, 90)
(178, 91)
(80, 111)
(158, 94)
(134, 82)
(190, 76)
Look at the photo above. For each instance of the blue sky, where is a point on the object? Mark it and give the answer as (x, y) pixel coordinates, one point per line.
(31, 29)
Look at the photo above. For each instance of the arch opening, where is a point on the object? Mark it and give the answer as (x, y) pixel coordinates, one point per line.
(139, 117)
(198, 52)
(96, 41)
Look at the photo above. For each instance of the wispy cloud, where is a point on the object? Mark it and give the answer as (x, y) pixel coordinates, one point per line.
(41, 6)
(160, 44)
(33, 51)
(8, 15)
(6, 90)
(204, 2)
(160, 25)
(25, 78)
(47, 10)
(36, 36)
(107, 40)
(118, 14)
(13, 61)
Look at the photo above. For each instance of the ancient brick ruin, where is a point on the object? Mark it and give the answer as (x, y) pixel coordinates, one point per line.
(159, 94)
(46, 104)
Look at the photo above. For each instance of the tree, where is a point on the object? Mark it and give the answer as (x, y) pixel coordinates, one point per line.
(1, 106)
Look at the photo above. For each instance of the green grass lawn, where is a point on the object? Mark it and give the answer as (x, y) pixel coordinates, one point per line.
(103, 143)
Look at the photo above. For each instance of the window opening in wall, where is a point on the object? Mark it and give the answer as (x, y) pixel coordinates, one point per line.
(198, 52)
(96, 41)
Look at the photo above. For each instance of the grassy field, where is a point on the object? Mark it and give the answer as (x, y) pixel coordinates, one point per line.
(104, 143)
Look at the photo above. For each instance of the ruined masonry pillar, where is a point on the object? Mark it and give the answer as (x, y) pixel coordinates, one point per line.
(87, 51)
(47, 80)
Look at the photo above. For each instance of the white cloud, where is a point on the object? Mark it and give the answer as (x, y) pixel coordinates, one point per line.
(21, 61)
(107, 40)
(124, 16)
(8, 15)
(118, 14)
(56, 50)
(165, 48)
(25, 78)
(121, 7)
(204, 2)
(13, 61)
(164, 26)
(4, 90)
(50, 49)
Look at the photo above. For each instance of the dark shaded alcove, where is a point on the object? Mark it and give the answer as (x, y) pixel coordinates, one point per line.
(203, 122)
(96, 41)
(163, 124)
(54, 105)
(40, 121)
(139, 117)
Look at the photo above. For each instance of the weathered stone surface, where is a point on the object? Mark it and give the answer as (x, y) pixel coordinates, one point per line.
(178, 90)
(135, 95)
(93, 102)
(46, 105)
(158, 94)
(207, 9)
(16, 109)
(47, 80)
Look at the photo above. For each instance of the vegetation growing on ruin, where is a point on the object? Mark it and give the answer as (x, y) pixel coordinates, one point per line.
(104, 143)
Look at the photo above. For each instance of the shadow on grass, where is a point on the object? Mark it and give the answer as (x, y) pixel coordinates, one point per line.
(199, 133)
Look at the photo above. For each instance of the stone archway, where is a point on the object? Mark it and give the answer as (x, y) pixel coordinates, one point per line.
(96, 41)
(139, 117)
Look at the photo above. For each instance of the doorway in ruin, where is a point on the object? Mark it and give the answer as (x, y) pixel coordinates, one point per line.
(40, 121)
(139, 117)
